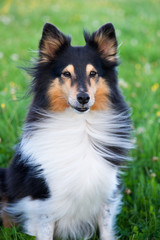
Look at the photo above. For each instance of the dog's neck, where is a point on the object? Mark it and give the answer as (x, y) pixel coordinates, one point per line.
(66, 130)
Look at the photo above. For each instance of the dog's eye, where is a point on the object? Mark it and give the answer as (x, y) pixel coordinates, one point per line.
(93, 74)
(66, 74)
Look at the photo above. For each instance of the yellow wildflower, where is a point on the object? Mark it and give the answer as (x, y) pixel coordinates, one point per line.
(6, 7)
(158, 114)
(2, 105)
(5, 90)
(138, 66)
(12, 84)
(155, 87)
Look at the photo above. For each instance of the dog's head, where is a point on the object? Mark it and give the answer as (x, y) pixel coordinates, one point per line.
(83, 78)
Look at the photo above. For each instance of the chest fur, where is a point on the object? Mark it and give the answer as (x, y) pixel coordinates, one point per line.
(65, 149)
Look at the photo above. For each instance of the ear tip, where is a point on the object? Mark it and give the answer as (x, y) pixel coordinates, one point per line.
(49, 27)
(109, 26)
(47, 24)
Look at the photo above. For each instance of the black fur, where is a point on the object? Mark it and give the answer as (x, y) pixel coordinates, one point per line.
(2, 182)
(22, 180)
(44, 72)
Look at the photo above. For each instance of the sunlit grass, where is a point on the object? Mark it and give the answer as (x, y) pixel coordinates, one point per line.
(138, 31)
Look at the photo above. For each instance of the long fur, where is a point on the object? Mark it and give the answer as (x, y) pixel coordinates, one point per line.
(64, 177)
(69, 149)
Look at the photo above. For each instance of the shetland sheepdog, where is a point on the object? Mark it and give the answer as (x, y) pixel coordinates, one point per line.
(65, 175)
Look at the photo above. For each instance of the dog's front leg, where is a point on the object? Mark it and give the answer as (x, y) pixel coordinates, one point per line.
(106, 221)
(45, 230)
(41, 227)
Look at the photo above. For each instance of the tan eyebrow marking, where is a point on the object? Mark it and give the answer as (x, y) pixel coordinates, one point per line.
(69, 68)
(89, 68)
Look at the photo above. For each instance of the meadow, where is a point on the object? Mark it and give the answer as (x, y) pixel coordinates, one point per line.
(137, 25)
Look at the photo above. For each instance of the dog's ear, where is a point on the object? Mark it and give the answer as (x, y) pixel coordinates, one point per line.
(51, 42)
(105, 41)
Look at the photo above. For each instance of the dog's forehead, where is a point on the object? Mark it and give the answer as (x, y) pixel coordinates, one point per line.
(79, 57)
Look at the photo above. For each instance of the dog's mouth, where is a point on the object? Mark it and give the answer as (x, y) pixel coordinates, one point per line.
(80, 109)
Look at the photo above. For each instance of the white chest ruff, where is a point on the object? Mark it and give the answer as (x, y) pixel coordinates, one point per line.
(68, 147)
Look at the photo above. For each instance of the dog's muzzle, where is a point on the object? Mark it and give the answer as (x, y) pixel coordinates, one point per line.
(82, 103)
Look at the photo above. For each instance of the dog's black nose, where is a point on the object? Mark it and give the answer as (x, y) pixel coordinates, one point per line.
(83, 98)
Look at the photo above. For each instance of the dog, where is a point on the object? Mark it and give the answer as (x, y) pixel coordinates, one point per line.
(64, 179)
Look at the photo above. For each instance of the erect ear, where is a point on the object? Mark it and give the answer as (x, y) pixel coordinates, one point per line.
(51, 42)
(105, 40)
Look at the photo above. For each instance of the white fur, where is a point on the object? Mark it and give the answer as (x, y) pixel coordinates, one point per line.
(68, 147)
(106, 219)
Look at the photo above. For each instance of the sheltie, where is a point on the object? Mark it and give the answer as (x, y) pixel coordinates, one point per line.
(65, 175)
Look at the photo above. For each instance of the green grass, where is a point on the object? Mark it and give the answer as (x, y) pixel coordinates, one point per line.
(138, 31)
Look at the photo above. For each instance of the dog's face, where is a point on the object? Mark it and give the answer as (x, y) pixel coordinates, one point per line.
(76, 77)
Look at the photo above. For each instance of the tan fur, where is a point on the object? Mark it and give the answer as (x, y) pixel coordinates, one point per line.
(6, 221)
(50, 46)
(73, 92)
(69, 68)
(106, 46)
(97, 90)
(67, 88)
(92, 87)
(89, 68)
(101, 95)
(58, 96)
(58, 93)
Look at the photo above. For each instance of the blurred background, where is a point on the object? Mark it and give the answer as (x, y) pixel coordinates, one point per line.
(137, 24)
